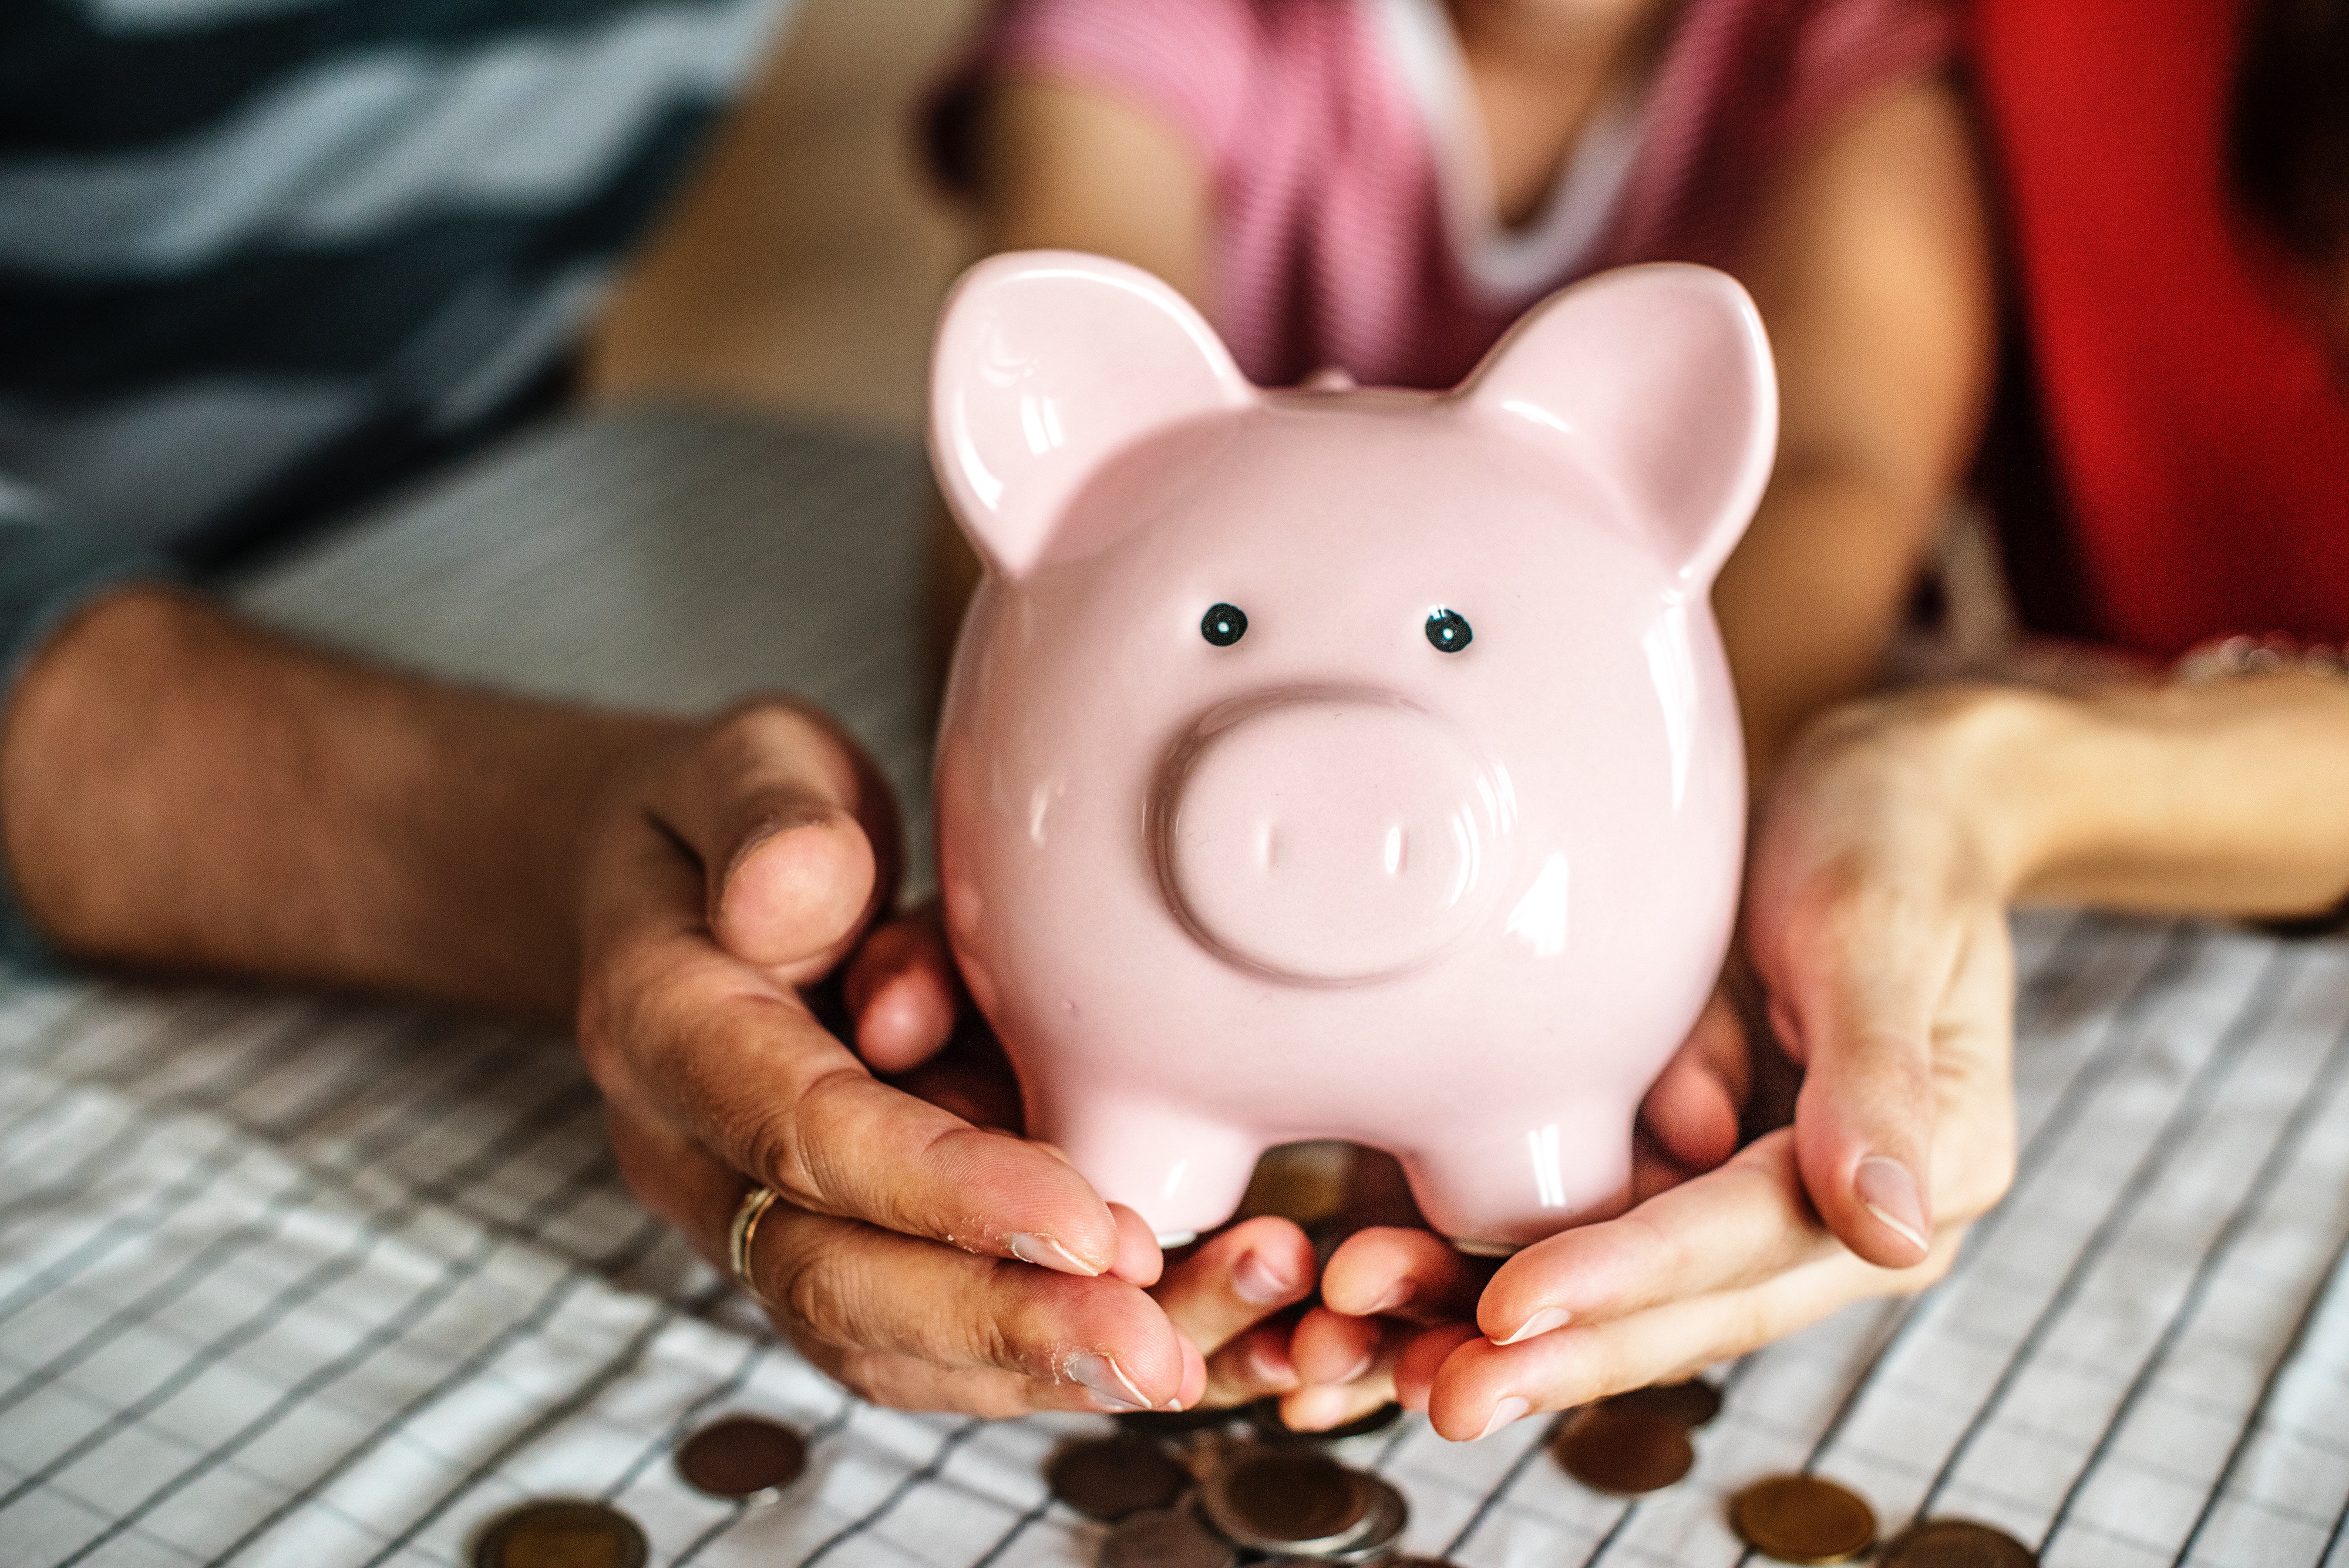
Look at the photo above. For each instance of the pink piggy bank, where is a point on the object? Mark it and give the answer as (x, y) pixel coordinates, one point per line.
(1338, 763)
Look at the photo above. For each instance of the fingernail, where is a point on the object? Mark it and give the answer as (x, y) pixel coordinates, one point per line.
(1032, 1247)
(1107, 1382)
(1886, 1189)
(1512, 1409)
(1361, 1369)
(1541, 1322)
(1315, 1409)
(1257, 1282)
(1397, 1294)
(1271, 1366)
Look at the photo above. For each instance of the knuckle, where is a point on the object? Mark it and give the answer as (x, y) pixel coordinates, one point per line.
(794, 1145)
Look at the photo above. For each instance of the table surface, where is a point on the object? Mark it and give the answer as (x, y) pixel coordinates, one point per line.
(292, 1281)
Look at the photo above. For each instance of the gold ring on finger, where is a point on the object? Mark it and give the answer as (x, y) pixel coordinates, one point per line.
(744, 1232)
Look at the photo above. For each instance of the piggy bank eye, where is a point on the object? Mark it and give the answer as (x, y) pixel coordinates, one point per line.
(1224, 625)
(1448, 629)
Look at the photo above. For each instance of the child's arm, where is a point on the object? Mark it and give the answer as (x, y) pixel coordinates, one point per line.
(1074, 168)
(1064, 167)
(1872, 274)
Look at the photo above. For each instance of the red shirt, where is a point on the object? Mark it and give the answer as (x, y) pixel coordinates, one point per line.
(2202, 449)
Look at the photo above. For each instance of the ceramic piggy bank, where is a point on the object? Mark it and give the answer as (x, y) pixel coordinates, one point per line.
(1340, 763)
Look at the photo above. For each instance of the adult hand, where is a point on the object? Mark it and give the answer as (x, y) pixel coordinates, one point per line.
(1875, 925)
(1227, 1296)
(920, 1259)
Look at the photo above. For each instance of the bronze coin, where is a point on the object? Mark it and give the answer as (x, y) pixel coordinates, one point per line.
(1110, 1477)
(1166, 1538)
(1287, 1499)
(1692, 1404)
(561, 1533)
(742, 1458)
(1956, 1544)
(1264, 1416)
(1803, 1519)
(1622, 1448)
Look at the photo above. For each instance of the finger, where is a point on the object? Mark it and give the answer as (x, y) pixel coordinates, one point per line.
(675, 1177)
(1331, 1349)
(1481, 1386)
(854, 1285)
(1422, 1358)
(740, 1067)
(1853, 987)
(1252, 1366)
(1694, 1106)
(1742, 1225)
(1317, 1409)
(1415, 1275)
(1139, 1259)
(1235, 1281)
(903, 993)
(781, 810)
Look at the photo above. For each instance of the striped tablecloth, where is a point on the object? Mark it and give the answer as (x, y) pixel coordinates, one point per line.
(292, 1281)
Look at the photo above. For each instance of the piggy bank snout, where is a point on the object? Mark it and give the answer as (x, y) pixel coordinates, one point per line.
(1326, 838)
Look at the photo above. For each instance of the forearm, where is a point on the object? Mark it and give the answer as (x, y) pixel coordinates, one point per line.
(181, 791)
(2224, 798)
(1813, 595)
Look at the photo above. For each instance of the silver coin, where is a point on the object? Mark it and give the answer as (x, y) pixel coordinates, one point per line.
(1288, 1499)
(1389, 1514)
(1166, 1538)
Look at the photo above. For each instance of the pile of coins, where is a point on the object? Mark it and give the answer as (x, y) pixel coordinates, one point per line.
(1188, 1491)
(1214, 1488)
(1644, 1441)
(740, 1458)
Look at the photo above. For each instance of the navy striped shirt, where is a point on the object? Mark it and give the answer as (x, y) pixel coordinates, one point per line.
(258, 256)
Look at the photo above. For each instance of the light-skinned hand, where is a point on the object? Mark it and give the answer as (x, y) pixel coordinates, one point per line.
(1876, 926)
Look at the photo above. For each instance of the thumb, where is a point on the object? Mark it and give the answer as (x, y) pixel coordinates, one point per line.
(791, 825)
(1853, 1002)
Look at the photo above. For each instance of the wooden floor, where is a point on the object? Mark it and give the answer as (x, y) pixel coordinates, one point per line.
(802, 269)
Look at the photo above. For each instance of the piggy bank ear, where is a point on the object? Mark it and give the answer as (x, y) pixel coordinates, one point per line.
(1048, 364)
(1661, 376)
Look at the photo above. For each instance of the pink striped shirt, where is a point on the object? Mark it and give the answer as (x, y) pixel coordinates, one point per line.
(1353, 209)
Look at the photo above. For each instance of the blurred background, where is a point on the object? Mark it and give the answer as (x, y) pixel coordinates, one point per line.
(802, 269)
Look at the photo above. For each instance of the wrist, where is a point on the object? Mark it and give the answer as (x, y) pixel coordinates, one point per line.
(1950, 778)
(1999, 753)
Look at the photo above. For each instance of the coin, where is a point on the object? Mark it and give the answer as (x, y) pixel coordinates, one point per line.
(1956, 1544)
(562, 1533)
(742, 1457)
(1622, 1448)
(1692, 1404)
(1110, 1477)
(1287, 1499)
(1264, 1416)
(1803, 1519)
(1166, 1538)
(1380, 1530)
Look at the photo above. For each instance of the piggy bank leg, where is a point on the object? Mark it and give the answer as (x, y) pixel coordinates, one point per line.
(1183, 1173)
(1498, 1187)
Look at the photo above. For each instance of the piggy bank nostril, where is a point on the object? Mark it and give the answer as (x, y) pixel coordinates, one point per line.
(1328, 839)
